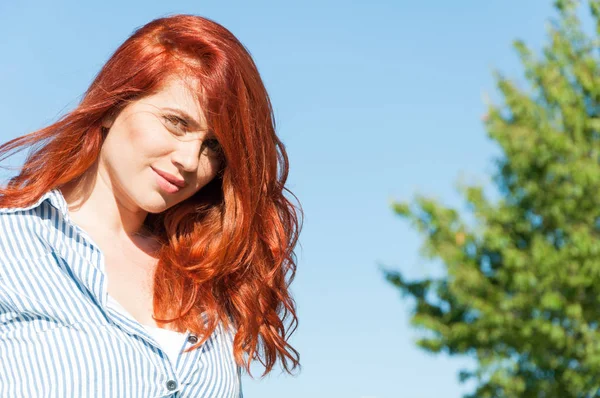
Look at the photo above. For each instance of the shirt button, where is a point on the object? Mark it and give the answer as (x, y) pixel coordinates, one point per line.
(171, 385)
(192, 339)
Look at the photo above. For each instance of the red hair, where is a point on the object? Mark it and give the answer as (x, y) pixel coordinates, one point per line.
(227, 253)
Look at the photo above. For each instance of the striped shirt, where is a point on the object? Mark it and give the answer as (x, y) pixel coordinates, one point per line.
(60, 336)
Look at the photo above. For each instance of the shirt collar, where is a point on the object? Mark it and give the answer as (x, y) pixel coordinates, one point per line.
(54, 197)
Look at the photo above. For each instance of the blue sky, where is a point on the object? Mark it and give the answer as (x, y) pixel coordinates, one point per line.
(374, 101)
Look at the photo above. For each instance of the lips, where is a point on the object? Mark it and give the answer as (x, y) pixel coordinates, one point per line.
(171, 178)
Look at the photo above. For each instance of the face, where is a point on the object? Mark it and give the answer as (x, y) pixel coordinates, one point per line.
(158, 151)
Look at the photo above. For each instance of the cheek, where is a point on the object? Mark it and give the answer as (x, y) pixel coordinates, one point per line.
(207, 170)
(145, 137)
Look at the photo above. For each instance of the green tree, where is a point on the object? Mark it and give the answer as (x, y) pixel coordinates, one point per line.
(521, 291)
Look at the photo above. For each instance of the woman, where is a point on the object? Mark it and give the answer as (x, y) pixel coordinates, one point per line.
(146, 246)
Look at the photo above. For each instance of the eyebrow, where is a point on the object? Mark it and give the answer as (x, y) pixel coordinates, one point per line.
(187, 117)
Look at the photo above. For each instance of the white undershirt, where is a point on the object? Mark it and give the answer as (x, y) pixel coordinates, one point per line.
(170, 341)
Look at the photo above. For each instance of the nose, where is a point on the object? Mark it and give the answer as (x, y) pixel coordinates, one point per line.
(187, 155)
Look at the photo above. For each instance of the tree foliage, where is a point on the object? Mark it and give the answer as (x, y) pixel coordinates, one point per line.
(521, 291)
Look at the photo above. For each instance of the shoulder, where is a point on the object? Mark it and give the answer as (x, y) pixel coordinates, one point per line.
(22, 235)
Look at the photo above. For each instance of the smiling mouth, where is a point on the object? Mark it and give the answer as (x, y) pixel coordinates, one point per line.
(165, 185)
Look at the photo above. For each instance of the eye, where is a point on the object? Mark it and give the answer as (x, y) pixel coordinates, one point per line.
(176, 122)
(213, 146)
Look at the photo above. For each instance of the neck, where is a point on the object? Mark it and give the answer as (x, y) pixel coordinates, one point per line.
(93, 202)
